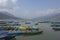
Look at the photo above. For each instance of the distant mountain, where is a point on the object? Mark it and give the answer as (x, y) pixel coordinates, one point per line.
(6, 15)
(55, 17)
(50, 17)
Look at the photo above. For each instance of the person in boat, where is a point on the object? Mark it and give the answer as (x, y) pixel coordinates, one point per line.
(33, 28)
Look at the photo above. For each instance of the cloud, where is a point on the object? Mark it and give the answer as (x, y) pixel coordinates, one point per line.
(25, 13)
(14, 1)
(7, 5)
(3, 1)
(47, 12)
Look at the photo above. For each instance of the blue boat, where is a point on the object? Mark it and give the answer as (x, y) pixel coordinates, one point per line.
(17, 33)
(4, 35)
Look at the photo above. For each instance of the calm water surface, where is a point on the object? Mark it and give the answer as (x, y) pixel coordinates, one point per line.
(48, 34)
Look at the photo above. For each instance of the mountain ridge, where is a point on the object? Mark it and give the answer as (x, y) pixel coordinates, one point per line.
(6, 15)
(55, 16)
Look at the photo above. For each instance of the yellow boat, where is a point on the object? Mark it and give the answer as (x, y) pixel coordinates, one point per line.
(22, 28)
(28, 28)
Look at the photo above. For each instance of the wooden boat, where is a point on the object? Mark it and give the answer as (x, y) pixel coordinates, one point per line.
(55, 25)
(56, 28)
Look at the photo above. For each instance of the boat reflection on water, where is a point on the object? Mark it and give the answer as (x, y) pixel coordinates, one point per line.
(13, 39)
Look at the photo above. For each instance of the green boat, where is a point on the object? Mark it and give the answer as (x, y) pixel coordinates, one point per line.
(31, 33)
(26, 33)
(34, 33)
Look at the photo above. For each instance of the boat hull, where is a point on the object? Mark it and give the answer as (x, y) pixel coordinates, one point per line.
(26, 33)
(56, 28)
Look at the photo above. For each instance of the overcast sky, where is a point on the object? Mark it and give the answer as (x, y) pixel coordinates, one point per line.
(30, 8)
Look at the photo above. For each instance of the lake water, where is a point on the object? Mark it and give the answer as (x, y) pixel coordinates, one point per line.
(48, 34)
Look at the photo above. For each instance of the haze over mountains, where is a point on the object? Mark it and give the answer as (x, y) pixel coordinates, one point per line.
(52, 17)
(6, 15)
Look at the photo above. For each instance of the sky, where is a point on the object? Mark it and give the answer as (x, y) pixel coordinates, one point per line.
(30, 9)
